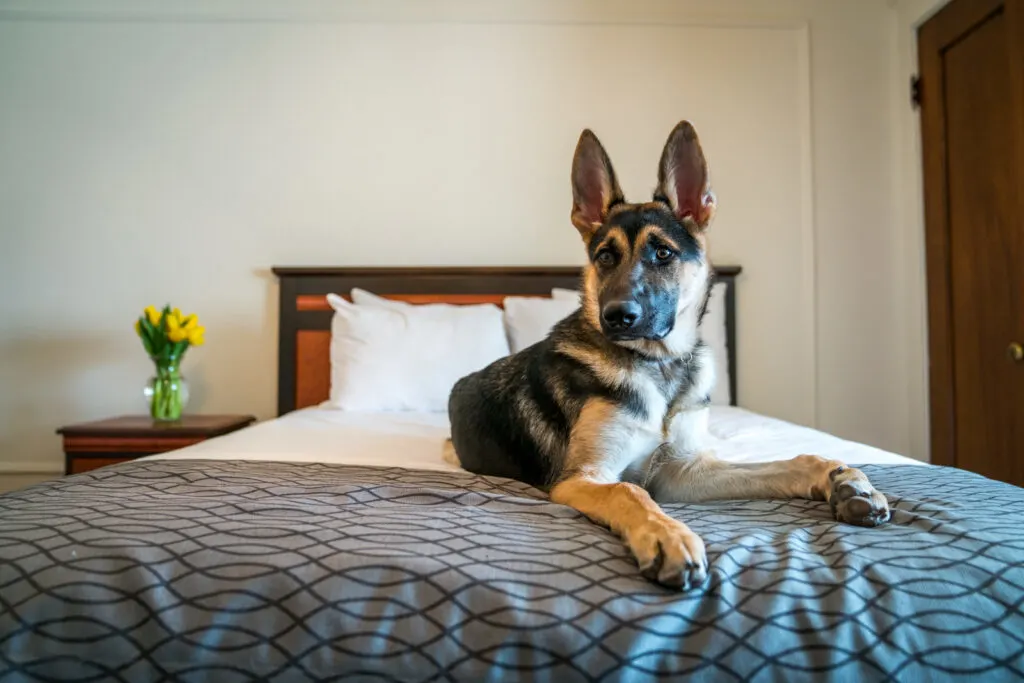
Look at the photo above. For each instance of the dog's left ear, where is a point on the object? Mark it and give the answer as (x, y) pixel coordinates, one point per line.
(683, 181)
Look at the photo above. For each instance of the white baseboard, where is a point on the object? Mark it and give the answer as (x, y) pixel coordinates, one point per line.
(7, 467)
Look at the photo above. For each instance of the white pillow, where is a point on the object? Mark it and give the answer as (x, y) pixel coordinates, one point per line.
(530, 319)
(405, 357)
(565, 294)
(712, 330)
(365, 298)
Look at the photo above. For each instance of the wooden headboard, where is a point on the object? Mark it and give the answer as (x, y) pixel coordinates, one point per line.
(304, 325)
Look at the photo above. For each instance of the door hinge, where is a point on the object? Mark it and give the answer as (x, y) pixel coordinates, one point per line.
(915, 91)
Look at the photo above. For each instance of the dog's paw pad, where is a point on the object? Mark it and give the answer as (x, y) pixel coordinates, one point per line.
(855, 501)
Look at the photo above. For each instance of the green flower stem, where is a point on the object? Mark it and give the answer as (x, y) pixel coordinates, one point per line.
(166, 402)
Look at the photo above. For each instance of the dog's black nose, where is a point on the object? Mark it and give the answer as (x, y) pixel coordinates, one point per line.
(621, 315)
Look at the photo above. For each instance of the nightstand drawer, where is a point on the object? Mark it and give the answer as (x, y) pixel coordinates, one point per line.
(109, 442)
(144, 444)
(126, 444)
(76, 465)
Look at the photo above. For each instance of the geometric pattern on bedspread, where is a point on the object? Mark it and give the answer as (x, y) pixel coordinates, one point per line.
(229, 571)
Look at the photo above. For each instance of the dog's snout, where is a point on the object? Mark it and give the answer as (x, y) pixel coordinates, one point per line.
(621, 315)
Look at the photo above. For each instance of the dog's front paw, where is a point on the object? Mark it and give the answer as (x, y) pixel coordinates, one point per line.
(668, 552)
(854, 500)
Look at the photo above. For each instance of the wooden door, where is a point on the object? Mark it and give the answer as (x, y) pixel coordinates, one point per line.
(971, 58)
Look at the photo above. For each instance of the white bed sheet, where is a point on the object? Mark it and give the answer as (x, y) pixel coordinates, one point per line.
(415, 440)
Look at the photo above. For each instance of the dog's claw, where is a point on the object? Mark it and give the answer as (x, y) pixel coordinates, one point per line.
(854, 500)
(668, 553)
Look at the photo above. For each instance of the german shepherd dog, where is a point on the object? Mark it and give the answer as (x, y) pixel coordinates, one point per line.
(609, 413)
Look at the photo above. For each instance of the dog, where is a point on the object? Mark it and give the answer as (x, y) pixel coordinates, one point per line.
(609, 413)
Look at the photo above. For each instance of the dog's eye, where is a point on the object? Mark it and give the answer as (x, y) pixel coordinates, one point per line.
(606, 258)
(663, 253)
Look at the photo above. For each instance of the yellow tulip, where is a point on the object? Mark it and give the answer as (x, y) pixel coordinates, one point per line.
(173, 323)
(190, 321)
(195, 336)
(176, 334)
(153, 315)
(138, 327)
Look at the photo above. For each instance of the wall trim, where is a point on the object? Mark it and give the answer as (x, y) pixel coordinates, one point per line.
(15, 467)
(808, 240)
(908, 211)
(384, 12)
(145, 17)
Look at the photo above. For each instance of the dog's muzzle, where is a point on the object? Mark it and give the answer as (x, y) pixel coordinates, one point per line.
(624, 321)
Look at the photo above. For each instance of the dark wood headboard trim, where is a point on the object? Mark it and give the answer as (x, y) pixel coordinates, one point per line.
(523, 281)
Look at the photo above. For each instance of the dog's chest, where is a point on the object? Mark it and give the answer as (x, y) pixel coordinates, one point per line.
(658, 387)
(668, 391)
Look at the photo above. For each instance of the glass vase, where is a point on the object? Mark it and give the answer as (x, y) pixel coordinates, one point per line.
(167, 391)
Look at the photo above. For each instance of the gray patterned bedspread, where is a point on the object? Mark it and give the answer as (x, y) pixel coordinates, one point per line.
(232, 571)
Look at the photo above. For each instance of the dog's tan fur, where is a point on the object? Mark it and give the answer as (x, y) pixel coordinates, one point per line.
(662, 546)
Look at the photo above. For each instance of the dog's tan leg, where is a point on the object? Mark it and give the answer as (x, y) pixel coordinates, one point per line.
(603, 442)
(702, 477)
(449, 455)
(666, 550)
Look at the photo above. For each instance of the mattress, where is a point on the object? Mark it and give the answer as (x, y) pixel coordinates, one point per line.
(415, 440)
(289, 557)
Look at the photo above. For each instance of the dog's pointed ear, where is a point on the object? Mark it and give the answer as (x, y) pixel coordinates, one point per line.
(594, 187)
(683, 180)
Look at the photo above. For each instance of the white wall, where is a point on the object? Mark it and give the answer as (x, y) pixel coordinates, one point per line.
(153, 152)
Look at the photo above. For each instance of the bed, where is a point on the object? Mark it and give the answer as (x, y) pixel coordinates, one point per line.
(327, 544)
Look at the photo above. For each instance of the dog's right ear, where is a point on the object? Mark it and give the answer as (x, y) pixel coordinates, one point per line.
(594, 187)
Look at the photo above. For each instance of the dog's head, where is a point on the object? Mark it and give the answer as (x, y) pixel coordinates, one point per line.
(647, 263)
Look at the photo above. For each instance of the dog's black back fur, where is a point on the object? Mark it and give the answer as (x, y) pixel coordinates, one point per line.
(490, 431)
(513, 418)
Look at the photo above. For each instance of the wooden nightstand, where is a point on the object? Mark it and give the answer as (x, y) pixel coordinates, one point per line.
(106, 442)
